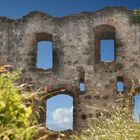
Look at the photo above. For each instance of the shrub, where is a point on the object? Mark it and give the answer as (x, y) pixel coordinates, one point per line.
(14, 116)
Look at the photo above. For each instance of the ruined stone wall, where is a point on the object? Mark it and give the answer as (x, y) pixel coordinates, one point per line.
(75, 56)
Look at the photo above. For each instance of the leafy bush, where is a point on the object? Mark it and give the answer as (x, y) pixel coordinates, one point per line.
(119, 126)
(136, 16)
(14, 116)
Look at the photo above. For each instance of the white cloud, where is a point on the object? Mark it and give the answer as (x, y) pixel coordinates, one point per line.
(62, 115)
(62, 119)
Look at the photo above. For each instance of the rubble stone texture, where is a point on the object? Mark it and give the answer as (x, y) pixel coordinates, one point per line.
(76, 56)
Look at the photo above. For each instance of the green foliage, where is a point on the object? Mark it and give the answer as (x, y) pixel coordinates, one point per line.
(119, 126)
(136, 16)
(14, 116)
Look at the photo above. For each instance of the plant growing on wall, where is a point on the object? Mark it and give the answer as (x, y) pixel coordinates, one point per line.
(136, 16)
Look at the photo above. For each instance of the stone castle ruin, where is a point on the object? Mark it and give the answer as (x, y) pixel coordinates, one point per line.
(76, 57)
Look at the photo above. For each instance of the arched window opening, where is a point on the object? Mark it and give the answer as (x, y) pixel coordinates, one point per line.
(59, 113)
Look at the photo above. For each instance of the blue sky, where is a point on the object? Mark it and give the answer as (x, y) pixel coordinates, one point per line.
(136, 111)
(18, 8)
(45, 52)
(60, 114)
(107, 50)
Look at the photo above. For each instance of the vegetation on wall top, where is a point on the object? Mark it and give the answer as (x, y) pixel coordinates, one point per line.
(136, 16)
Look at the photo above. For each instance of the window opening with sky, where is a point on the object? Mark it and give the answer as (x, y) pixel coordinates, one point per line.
(107, 50)
(136, 109)
(82, 84)
(59, 113)
(120, 85)
(45, 55)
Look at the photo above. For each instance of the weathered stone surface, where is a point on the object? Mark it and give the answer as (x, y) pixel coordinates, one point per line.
(76, 55)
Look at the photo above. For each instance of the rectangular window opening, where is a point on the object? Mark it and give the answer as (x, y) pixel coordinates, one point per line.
(136, 108)
(107, 50)
(120, 85)
(82, 85)
(44, 55)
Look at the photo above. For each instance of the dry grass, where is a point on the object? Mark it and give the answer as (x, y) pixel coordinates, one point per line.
(119, 126)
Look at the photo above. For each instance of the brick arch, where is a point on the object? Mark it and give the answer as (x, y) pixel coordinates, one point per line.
(59, 92)
(52, 90)
(104, 28)
(62, 91)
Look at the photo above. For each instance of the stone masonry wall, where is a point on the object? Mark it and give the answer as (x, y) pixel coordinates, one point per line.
(75, 56)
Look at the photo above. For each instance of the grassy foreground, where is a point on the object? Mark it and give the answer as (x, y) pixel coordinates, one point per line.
(119, 126)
